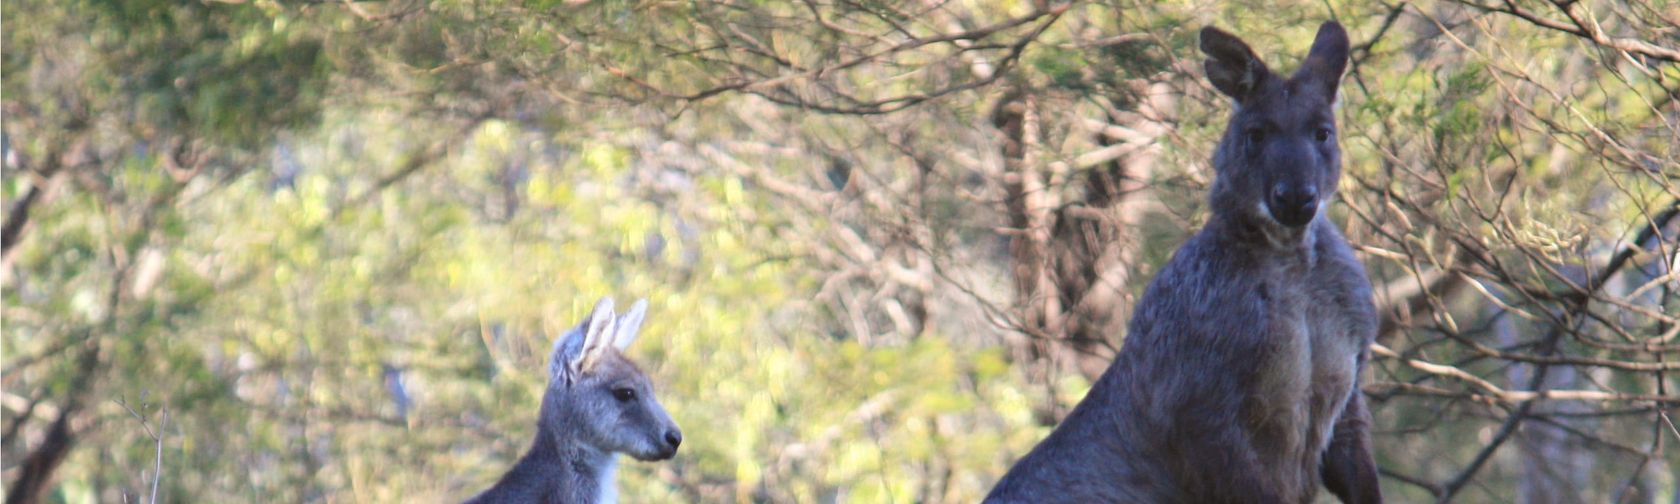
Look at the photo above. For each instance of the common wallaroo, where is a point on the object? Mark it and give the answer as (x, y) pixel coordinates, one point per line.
(1238, 381)
(598, 405)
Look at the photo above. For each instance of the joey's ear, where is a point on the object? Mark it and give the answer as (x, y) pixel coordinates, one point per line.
(629, 325)
(570, 357)
(567, 348)
(1231, 66)
(597, 335)
(1326, 61)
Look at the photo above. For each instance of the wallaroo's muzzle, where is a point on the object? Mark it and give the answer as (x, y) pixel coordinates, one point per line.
(1293, 206)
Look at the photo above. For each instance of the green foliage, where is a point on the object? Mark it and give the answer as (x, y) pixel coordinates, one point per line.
(200, 67)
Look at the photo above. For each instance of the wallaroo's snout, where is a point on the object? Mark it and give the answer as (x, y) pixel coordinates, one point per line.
(1293, 205)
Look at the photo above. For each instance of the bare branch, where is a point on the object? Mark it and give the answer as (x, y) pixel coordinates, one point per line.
(1579, 28)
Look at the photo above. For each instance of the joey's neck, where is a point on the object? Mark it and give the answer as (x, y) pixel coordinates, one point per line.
(560, 445)
(578, 465)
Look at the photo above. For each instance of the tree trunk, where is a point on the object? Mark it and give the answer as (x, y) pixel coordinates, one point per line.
(36, 471)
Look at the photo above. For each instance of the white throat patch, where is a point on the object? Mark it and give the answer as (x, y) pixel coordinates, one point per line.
(607, 483)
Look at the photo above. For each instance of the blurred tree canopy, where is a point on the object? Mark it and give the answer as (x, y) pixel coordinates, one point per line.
(316, 250)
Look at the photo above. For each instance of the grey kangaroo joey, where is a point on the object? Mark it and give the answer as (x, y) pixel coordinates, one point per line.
(598, 405)
(1238, 380)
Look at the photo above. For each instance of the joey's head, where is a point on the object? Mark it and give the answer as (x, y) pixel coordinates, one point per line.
(1278, 163)
(601, 400)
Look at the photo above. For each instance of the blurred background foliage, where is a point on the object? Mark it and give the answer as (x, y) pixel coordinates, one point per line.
(316, 251)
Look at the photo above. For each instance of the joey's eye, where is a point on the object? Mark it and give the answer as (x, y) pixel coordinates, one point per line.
(624, 394)
(1254, 136)
(1323, 134)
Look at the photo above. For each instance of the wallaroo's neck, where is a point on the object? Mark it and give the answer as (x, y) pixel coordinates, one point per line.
(1254, 231)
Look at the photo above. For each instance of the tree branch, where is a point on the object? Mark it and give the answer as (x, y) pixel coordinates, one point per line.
(1582, 30)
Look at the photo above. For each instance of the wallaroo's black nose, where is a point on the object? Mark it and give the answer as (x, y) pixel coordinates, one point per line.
(1293, 206)
(673, 438)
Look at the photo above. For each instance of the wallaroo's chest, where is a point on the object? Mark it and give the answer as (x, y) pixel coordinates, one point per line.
(1318, 300)
(1316, 331)
(1326, 301)
(1318, 321)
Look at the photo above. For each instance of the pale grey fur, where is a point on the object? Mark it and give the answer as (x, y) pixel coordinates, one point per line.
(585, 420)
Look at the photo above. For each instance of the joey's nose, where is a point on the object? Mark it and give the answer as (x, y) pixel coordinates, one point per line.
(673, 438)
(1293, 206)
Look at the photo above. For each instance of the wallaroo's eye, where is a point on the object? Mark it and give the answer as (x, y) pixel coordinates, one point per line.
(1323, 134)
(624, 394)
(1254, 136)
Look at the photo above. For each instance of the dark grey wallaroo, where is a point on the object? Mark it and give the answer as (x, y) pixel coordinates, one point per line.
(1238, 381)
(598, 405)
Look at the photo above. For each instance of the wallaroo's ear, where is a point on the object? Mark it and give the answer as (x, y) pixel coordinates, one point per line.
(597, 335)
(629, 325)
(1231, 65)
(1327, 60)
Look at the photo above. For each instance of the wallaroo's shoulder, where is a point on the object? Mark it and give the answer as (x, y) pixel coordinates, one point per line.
(1213, 250)
(1206, 283)
(1334, 251)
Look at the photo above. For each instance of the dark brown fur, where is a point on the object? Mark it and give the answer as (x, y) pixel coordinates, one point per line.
(1238, 381)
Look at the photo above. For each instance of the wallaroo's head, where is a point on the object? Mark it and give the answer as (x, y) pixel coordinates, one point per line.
(600, 399)
(1278, 162)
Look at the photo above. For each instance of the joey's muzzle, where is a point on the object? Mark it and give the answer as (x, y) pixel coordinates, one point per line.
(673, 439)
